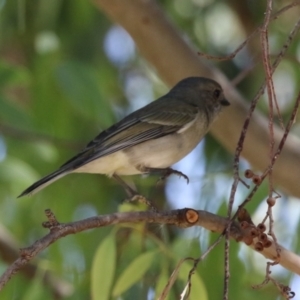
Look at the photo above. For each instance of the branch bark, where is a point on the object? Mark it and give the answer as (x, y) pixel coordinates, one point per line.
(162, 46)
(182, 218)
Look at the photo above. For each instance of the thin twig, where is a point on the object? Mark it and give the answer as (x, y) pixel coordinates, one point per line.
(250, 36)
(275, 156)
(239, 149)
(285, 291)
(271, 98)
(172, 279)
(198, 260)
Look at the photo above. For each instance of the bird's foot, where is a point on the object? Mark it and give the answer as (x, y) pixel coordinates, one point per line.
(165, 173)
(142, 199)
(170, 171)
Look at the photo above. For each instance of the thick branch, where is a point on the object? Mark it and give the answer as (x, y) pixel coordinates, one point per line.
(160, 43)
(182, 218)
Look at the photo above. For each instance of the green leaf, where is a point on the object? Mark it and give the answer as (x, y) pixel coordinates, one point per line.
(134, 272)
(103, 268)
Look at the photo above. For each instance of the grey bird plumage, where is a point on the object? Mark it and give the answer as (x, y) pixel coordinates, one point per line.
(151, 138)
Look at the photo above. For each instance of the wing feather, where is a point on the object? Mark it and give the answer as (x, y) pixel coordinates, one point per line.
(150, 122)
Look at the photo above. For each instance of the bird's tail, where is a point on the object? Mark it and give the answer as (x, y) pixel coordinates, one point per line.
(42, 183)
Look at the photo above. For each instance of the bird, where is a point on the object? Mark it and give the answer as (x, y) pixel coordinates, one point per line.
(150, 139)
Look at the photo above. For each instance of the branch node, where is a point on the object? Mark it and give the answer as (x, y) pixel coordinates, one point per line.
(25, 253)
(244, 216)
(52, 221)
(191, 216)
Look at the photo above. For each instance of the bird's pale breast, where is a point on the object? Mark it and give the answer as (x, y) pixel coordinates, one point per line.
(165, 151)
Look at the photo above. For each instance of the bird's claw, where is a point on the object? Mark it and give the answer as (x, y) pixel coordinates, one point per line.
(170, 171)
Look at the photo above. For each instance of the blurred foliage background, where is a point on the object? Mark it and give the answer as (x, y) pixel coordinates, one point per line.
(66, 73)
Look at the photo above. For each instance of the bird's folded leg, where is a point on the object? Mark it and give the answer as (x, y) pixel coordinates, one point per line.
(165, 172)
(133, 194)
(129, 190)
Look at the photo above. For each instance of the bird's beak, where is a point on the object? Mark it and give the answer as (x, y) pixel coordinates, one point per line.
(225, 102)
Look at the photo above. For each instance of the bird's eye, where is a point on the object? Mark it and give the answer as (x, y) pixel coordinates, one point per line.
(217, 93)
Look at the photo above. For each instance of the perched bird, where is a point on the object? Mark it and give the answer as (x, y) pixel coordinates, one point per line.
(150, 139)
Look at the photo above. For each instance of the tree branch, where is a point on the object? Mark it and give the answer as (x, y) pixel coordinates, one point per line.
(182, 218)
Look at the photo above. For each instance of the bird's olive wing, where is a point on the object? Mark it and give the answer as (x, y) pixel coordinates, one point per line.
(150, 122)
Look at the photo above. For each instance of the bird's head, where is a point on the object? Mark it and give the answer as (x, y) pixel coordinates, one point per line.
(202, 92)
